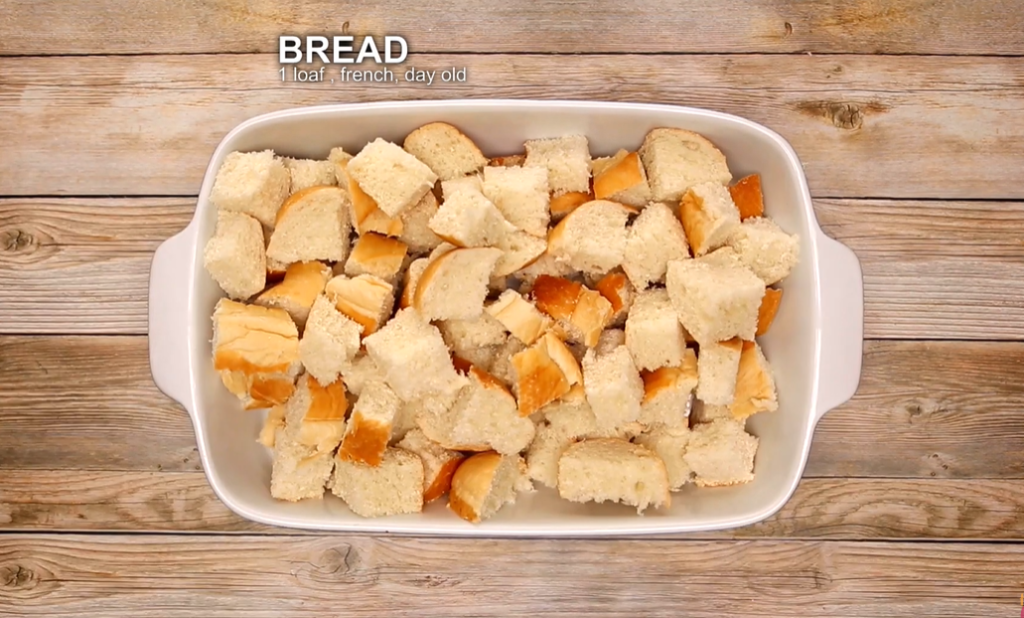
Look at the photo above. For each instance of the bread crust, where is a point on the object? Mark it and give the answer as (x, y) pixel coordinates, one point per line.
(766, 312)
(471, 483)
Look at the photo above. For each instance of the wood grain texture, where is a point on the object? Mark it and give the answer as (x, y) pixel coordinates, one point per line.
(909, 126)
(79, 265)
(70, 500)
(945, 409)
(259, 576)
(777, 26)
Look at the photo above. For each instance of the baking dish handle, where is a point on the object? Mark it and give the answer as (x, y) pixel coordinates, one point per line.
(168, 315)
(842, 326)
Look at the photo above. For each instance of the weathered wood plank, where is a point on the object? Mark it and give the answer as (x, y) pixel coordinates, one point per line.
(62, 500)
(832, 26)
(931, 269)
(264, 576)
(892, 126)
(945, 409)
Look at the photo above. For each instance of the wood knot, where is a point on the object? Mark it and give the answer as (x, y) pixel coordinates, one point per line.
(789, 28)
(17, 577)
(17, 241)
(843, 115)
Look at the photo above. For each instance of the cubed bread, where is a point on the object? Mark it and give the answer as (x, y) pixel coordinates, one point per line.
(546, 264)
(615, 470)
(544, 452)
(519, 250)
(306, 173)
(369, 428)
(755, 384)
(556, 296)
(377, 255)
(566, 159)
(592, 238)
(486, 482)
(565, 203)
(412, 278)
(613, 387)
(478, 332)
(439, 463)
(721, 453)
(717, 367)
(315, 414)
(313, 224)
(676, 159)
(709, 217)
(275, 270)
(339, 159)
(706, 412)
(299, 472)
(715, 302)
(468, 219)
(766, 249)
(416, 232)
(394, 487)
(254, 183)
(598, 165)
(654, 335)
(454, 285)
(620, 292)
(544, 372)
(359, 372)
(654, 239)
(668, 392)
(766, 312)
(256, 352)
(521, 194)
(273, 421)
(363, 210)
(573, 416)
(669, 443)
(592, 314)
(395, 179)
(234, 256)
(302, 284)
(412, 356)
(366, 300)
(625, 182)
(501, 367)
(449, 187)
(329, 342)
(519, 316)
(446, 150)
(747, 196)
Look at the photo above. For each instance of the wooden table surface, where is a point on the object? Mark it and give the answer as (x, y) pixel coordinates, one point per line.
(908, 115)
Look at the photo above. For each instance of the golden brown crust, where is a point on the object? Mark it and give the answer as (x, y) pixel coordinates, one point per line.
(326, 403)
(428, 276)
(565, 203)
(665, 378)
(766, 312)
(443, 481)
(613, 287)
(365, 441)
(593, 312)
(266, 392)
(361, 299)
(695, 221)
(625, 174)
(540, 379)
(366, 215)
(471, 483)
(735, 344)
(515, 160)
(747, 196)
(556, 296)
(373, 251)
(302, 283)
(754, 387)
(562, 356)
(294, 199)
(273, 422)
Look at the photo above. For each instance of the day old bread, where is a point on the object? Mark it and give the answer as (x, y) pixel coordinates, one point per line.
(468, 219)
(519, 316)
(453, 286)
(299, 472)
(306, 173)
(395, 179)
(544, 372)
(392, 488)
(486, 482)
(566, 159)
(709, 217)
(415, 224)
(654, 239)
(592, 238)
(764, 248)
(565, 203)
(667, 393)
(273, 421)
(669, 443)
(613, 386)
(329, 342)
(676, 159)
(234, 256)
(366, 300)
(439, 463)
(624, 181)
(620, 293)
(766, 312)
(446, 150)
(377, 255)
(747, 196)
(755, 384)
(363, 210)
(519, 250)
(302, 284)
(717, 367)
(654, 335)
(315, 414)
(254, 183)
(521, 194)
(721, 453)
(369, 428)
(715, 302)
(313, 224)
(612, 469)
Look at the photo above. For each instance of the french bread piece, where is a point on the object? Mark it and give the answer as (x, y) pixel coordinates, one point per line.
(747, 196)
(273, 421)
(573, 416)
(717, 367)
(468, 219)
(513, 160)
(359, 372)
(446, 150)
(546, 264)
(592, 314)
(299, 472)
(709, 217)
(256, 352)
(315, 414)
(329, 342)
(313, 224)
(365, 299)
(766, 249)
(624, 182)
(480, 332)
(439, 463)
(721, 453)
(485, 483)
(592, 238)
(715, 302)
(613, 387)
(306, 173)
(369, 427)
(519, 250)
(450, 186)
(521, 194)
(339, 159)
(667, 393)
(416, 232)
(363, 210)
(669, 443)
(544, 452)
(676, 159)
(377, 255)
(234, 256)
(766, 312)
(519, 316)
(454, 285)
(412, 278)
(620, 292)
(702, 412)
(412, 355)
(395, 179)
(302, 284)
(275, 270)
(755, 384)
(654, 335)
(598, 165)
(654, 239)
(566, 159)
(394, 487)
(556, 296)
(615, 470)
(565, 203)
(543, 372)
(254, 183)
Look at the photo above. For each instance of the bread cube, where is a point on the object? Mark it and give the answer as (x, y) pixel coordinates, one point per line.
(234, 256)
(329, 342)
(521, 194)
(544, 452)
(654, 335)
(468, 219)
(539, 378)
(359, 372)
(573, 416)
(624, 181)
(315, 414)
(369, 428)
(613, 469)
(439, 463)
(254, 183)
(613, 387)
(714, 302)
(313, 224)
(669, 443)
(416, 232)
(306, 173)
(302, 284)
(721, 453)
(592, 314)
(566, 159)
(451, 186)
(299, 472)
(366, 300)
(592, 238)
(519, 250)
(454, 285)
(717, 367)
(365, 215)
(486, 482)
(519, 316)
(478, 332)
(273, 421)
(676, 159)
(667, 393)
(565, 203)
(412, 278)
(395, 179)
(747, 196)
(755, 384)
(709, 217)
(766, 312)
(446, 150)
(376, 255)
(655, 238)
(392, 488)
(765, 249)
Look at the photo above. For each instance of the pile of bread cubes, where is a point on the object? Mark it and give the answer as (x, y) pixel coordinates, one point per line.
(422, 320)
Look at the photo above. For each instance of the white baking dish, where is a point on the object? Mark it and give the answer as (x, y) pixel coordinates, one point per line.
(814, 345)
